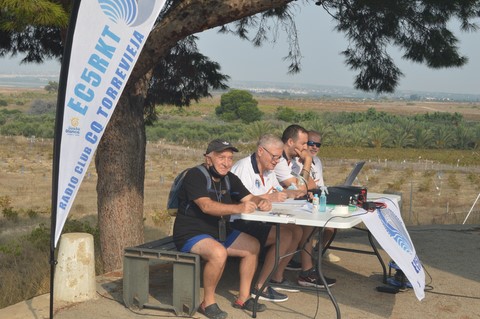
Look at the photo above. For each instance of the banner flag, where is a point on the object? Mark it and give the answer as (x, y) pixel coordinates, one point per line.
(107, 40)
(389, 230)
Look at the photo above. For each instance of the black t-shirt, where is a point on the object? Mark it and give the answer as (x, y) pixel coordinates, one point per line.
(190, 220)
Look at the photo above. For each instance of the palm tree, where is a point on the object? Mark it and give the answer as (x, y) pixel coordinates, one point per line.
(378, 137)
(258, 128)
(402, 135)
(464, 137)
(423, 137)
(443, 137)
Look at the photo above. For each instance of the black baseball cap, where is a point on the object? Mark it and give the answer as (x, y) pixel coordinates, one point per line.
(218, 145)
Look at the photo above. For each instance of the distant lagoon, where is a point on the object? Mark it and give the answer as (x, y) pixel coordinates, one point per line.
(39, 81)
(26, 81)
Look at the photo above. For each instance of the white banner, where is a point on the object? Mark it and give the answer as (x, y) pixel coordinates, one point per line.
(108, 38)
(387, 227)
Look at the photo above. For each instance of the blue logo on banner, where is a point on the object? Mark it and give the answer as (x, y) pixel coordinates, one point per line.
(395, 229)
(128, 11)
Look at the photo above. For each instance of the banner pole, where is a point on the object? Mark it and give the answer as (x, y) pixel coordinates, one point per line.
(58, 139)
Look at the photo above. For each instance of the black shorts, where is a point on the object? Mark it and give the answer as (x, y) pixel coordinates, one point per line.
(258, 230)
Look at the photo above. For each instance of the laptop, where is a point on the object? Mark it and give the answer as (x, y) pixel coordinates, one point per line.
(353, 174)
(334, 190)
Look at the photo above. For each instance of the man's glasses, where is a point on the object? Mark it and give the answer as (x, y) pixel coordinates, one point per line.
(276, 158)
(312, 143)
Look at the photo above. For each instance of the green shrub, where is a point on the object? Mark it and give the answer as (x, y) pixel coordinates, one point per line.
(40, 237)
(10, 214)
(42, 107)
(32, 213)
(425, 185)
(453, 181)
(285, 114)
(238, 104)
(5, 201)
(51, 87)
(11, 248)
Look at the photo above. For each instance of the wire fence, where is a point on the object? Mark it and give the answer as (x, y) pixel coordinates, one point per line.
(432, 193)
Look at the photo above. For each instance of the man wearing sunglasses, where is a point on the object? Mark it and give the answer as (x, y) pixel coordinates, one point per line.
(316, 173)
(316, 170)
(256, 173)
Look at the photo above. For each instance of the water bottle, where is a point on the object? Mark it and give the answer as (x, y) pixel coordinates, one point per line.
(315, 202)
(323, 203)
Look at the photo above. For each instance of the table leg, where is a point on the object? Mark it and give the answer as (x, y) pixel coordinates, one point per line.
(330, 241)
(374, 247)
(275, 266)
(320, 274)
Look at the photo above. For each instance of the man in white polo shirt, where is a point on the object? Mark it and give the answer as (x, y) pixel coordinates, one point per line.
(316, 174)
(256, 173)
(293, 172)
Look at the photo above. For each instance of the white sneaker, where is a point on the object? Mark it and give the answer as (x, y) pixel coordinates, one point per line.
(331, 257)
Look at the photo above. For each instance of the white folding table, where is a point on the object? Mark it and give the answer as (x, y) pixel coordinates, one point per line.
(299, 212)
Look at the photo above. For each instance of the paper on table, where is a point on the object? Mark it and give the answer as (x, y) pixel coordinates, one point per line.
(291, 202)
(309, 208)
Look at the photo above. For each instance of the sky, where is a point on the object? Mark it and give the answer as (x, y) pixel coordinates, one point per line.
(322, 62)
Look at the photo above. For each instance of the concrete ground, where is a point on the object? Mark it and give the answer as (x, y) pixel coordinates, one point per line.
(450, 255)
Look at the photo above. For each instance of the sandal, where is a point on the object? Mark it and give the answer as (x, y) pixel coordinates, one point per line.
(212, 311)
(248, 305)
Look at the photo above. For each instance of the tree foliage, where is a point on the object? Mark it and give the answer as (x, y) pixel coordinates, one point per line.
(419, 28)
(238, 104)
(51, 87)
(183, 75)
(32, 28)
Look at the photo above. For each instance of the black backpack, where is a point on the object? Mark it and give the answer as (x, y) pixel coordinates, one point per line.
(172, 203)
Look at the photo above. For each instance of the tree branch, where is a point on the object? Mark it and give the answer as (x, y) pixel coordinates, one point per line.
(190, 17)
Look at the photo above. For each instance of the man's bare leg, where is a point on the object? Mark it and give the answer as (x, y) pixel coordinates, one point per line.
(215, 256)
(247, 248)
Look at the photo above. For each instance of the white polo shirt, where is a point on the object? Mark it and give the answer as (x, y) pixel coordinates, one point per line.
(247, 170)
(284, 169)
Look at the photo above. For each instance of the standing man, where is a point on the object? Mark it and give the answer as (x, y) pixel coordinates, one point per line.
(256, 173)
(293, 171)
(202, 225)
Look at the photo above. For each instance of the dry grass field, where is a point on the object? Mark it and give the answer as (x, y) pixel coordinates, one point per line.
(432, 192)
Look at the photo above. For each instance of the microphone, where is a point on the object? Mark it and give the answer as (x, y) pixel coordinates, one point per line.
(300, 177)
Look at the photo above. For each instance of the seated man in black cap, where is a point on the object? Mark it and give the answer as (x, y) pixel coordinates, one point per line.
(208, 196)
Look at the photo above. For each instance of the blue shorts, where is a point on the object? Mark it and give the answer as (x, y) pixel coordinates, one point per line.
(192, 241)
